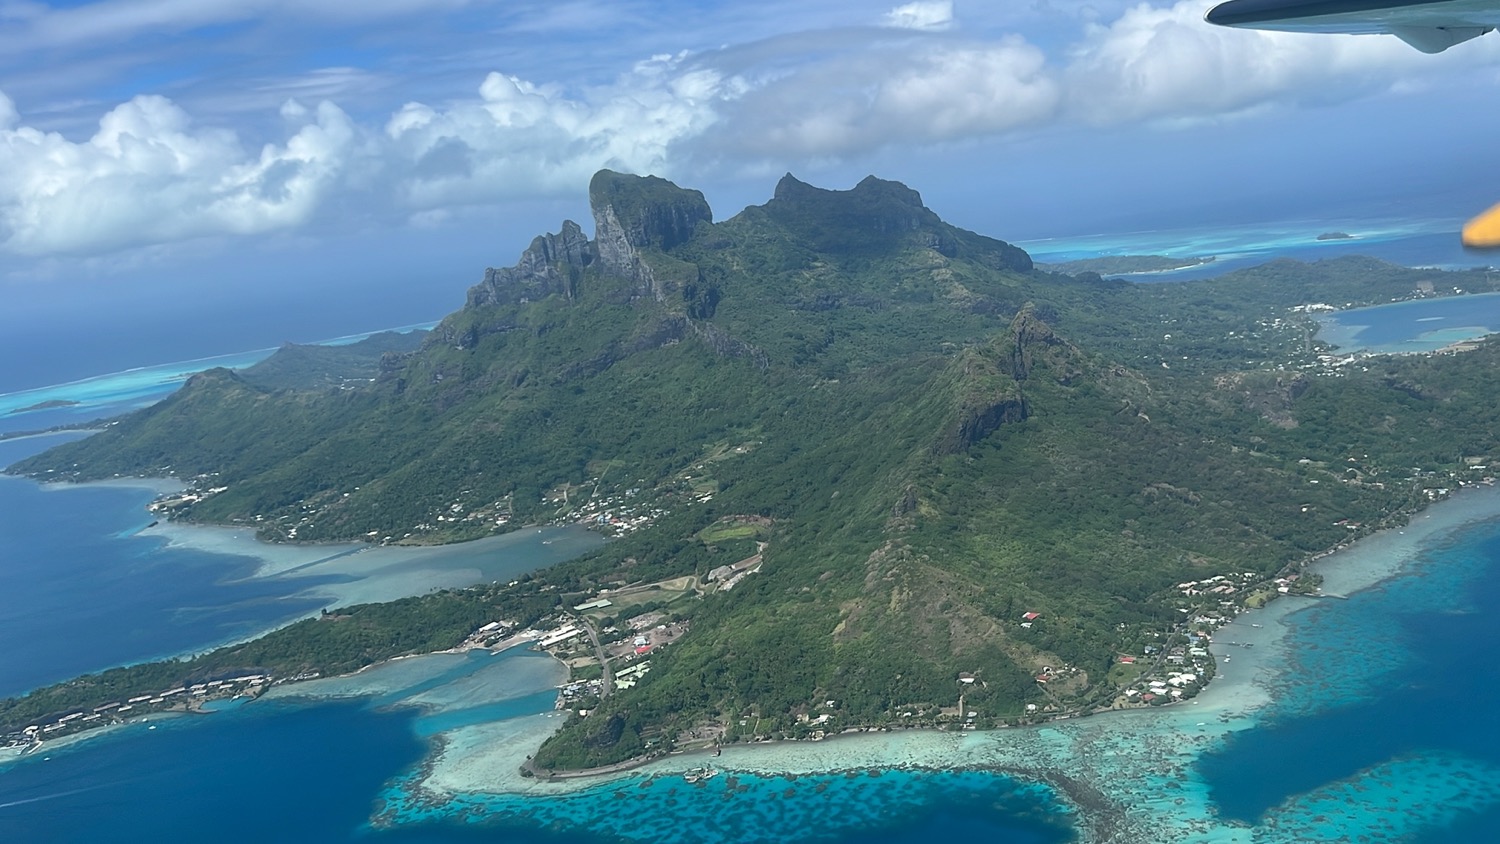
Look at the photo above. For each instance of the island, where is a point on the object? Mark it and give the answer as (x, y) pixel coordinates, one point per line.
(862, 470)
(50, 404)
(1335, 236)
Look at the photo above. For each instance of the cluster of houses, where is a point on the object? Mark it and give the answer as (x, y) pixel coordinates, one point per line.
(615, 514)
(628, 645)
(568, 696)
(1166, 689)
(181, 698)
(1223, 584)
(497, 513)
(165, 504)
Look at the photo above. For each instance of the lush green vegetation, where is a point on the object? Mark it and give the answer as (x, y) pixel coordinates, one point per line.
(339, 642)
(312, 367)
(931, 436)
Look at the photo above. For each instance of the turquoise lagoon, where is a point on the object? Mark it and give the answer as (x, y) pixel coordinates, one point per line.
(1411, 243)
(1418, 325)
(87, 583)
(120, 392)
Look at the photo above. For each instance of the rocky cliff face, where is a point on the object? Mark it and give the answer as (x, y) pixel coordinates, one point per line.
(876, 216)
(987, 396)
(554, 263)
(991, 380)
(635, 213)
(631, 214)
(1033, 344)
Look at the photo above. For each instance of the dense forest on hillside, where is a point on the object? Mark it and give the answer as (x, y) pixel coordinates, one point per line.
(943, 436)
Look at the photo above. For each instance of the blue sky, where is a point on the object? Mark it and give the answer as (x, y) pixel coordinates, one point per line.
(369, 159)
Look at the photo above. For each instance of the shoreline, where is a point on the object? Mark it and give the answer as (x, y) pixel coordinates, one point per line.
(1324, 564)
(1077, 758)
(1105, 766)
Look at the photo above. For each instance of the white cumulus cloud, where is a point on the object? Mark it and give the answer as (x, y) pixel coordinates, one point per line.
(151, 175)
(148, 176)
(8, 115)
(520, 138)
(921, 92)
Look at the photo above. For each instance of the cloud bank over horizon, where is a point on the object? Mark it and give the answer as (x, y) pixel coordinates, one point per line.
(914, 77)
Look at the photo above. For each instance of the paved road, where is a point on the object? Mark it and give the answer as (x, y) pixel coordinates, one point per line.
(607, 680)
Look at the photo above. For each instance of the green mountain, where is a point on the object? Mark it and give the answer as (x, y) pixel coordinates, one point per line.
(297, 366)
(958, 464)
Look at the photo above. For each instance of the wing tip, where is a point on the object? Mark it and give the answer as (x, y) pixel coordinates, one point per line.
(1483, 232)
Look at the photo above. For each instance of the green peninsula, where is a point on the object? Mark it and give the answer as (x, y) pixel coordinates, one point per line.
(49, 404)
(865, 468)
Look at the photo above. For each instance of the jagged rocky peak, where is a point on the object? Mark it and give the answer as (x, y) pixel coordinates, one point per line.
(553, 263)
(639, 212)
(877, 216)
(1033, 343)
(632, 213)
(877, 204)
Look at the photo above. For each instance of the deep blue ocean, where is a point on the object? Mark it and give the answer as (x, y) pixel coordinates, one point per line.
(1393, 692)
(1402, 680)
(83, 592)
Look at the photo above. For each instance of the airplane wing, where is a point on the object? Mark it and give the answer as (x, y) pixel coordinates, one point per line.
(1483, 232)
(1432, 26)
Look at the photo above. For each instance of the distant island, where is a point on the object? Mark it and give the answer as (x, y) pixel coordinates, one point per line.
(50, 404)
(1335, 236)
(1126, 264)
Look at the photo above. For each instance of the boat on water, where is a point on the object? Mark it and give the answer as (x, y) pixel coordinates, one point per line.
(693, 775)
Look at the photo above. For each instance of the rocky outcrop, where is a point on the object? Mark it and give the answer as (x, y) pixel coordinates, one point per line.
(633, 214)
(727, 346)
(553, 263)
(872, 206)
(1032, 343)
(990, 381)
(876, 216)
(985, 396)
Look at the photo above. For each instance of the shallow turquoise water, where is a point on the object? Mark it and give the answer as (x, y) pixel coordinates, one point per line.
(115, 393)
(83, 589)
(872, 805)
(1411, 243)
